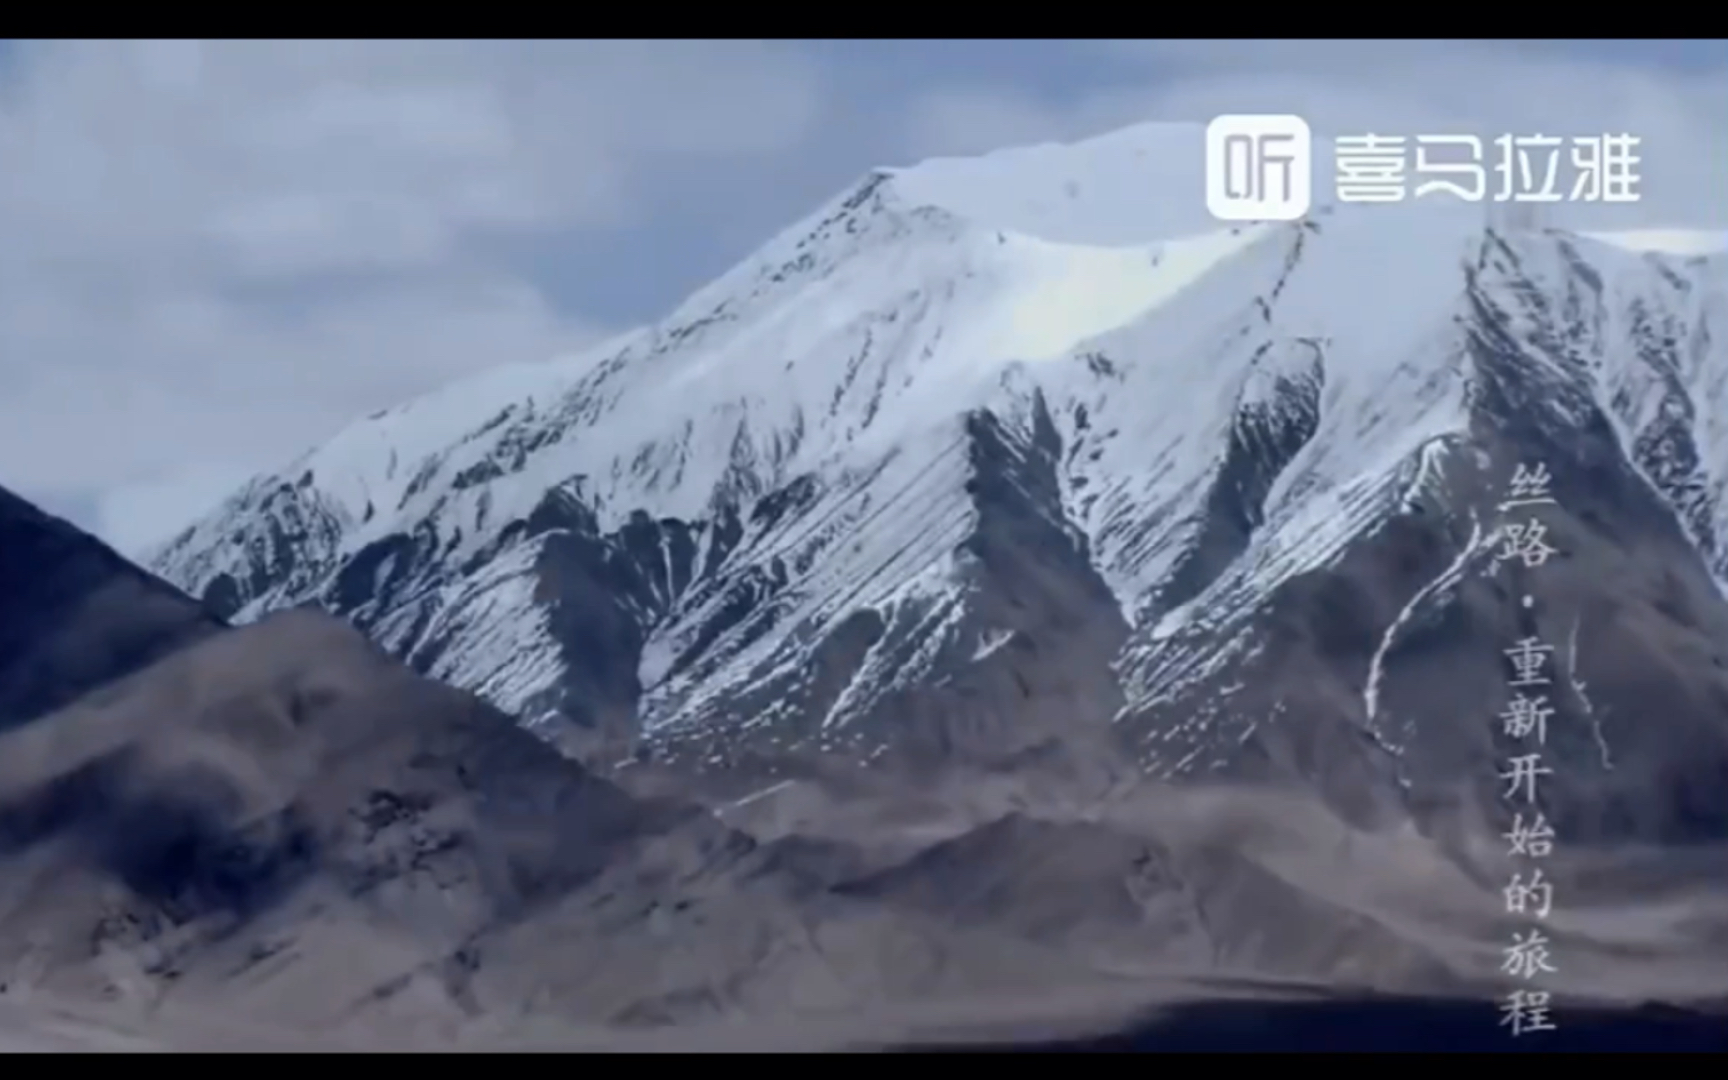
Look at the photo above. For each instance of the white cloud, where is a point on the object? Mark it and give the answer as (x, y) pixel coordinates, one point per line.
(217, 253)
(957, 121)
(136, 517)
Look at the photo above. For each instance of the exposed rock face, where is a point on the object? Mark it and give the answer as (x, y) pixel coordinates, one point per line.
(1384, 678)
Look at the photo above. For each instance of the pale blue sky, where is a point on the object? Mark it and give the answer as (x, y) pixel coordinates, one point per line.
(218, 254)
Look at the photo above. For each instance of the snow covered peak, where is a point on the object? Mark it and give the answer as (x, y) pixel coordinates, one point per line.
(1137, 185)
(860, 326)
(806, 489)
(1087, 236)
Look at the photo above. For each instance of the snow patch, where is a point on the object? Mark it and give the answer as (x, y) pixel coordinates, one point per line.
(1682, 242)
(1447, 578)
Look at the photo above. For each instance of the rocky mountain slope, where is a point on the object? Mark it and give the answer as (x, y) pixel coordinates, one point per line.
(282, 824)
(279, 809)
(975, 464)
(277, 832)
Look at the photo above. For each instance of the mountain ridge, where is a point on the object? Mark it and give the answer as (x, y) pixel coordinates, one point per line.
(917, 503)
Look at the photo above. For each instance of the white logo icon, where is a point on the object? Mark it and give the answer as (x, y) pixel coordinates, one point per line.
(1259, 168)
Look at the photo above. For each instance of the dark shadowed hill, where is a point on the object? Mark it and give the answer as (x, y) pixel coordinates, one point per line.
(280, 808)
(1388, 1025)
(75, 615)
(283, 809)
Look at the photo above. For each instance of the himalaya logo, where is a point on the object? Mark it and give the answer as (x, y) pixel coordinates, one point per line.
(1259, 168)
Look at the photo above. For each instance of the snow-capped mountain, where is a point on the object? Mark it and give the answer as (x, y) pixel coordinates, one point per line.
(987, 452)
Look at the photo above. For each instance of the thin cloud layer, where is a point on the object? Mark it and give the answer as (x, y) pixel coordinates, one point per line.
(218, 253)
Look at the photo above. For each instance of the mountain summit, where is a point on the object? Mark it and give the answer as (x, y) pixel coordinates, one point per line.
(996, 459)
